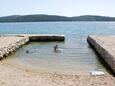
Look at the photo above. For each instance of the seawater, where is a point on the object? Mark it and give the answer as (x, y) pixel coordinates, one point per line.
(77, 57)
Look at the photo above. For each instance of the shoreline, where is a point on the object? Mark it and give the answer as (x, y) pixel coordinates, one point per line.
(12, 76)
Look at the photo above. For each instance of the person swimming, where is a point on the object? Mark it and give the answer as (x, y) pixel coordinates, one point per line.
(56, 49)
(27, 51)
(32, 51)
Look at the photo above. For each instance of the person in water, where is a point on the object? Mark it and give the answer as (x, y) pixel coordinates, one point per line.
(27, 51)
(55, 47)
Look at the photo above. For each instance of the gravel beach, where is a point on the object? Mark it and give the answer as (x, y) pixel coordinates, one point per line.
(14, 75)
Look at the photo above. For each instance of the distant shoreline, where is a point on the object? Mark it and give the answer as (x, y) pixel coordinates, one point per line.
(55, 18)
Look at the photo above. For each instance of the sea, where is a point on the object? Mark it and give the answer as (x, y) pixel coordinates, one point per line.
(75, 57)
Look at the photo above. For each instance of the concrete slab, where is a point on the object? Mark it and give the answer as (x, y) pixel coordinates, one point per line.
(10, 44)
(40, 37)
(105, 46)
(5, 41)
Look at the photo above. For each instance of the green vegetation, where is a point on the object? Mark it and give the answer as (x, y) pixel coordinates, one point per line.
(43, 18)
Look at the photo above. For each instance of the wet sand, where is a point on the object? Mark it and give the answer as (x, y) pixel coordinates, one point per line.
(12, 75)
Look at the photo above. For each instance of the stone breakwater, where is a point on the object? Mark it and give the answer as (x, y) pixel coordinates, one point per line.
(43, 37)
(105, 47)
(11, 44)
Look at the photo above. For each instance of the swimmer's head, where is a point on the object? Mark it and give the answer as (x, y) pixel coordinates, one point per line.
(27, 51)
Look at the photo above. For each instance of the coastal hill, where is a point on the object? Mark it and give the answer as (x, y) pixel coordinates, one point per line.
(43, 18)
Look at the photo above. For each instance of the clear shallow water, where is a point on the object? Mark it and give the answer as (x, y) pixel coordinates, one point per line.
(76, 57)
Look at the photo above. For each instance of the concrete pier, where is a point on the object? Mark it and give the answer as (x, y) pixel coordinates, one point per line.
(40, 37)
(44, 37)
(10, 44)
(105, 46)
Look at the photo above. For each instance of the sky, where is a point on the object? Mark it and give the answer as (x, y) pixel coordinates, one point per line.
(58, 7)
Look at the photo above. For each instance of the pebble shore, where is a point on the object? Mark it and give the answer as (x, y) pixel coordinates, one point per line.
(12, 75)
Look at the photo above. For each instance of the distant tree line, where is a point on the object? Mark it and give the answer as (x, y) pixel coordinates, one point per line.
(44, 18)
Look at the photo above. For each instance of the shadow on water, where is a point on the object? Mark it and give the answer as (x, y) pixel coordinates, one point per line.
(102, 61)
